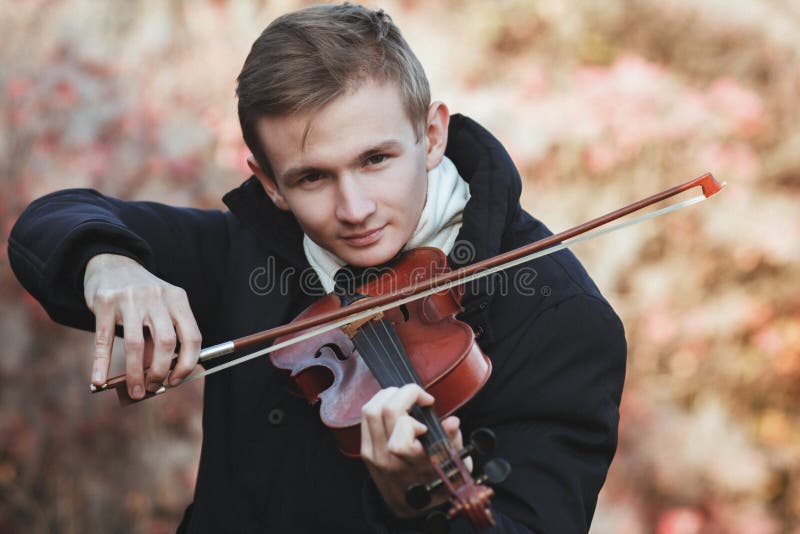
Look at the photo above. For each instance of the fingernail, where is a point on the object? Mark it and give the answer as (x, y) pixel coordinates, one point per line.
(97, 376)
(175, 381)
(137, 391)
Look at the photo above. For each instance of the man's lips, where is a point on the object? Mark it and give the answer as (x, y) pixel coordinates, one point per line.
(365, 238)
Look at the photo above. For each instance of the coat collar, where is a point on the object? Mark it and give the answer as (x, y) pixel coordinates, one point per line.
(494, 186)
(481, 160)
(277, 230)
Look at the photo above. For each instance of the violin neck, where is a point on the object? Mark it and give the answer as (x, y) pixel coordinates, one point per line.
(379, 345)
(435, 437)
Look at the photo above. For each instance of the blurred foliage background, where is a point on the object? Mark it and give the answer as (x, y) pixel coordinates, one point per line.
(599, 103)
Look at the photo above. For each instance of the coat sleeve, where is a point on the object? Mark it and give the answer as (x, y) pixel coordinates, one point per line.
(553, 403)
(558, 409)
(57, 235)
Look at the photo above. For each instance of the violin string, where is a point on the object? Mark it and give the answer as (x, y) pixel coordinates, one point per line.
(402, 380)
(391, 363)
(430, 419)
(398, 355)
(400, 351)
(374, 362)
(427, 413)
(386, 366)
(437, 441)
(380, 358)
(390, 357)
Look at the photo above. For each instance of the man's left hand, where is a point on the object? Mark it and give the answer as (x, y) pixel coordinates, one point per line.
(394, 456)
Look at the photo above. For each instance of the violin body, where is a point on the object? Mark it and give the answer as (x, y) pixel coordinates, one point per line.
(442, 350)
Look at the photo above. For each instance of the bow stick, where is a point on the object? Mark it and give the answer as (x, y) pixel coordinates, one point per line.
(367, 307)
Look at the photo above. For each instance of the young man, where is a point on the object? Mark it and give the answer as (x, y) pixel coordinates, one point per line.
(352, 165)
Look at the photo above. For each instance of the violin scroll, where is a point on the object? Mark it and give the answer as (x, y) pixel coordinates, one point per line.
(471, 499)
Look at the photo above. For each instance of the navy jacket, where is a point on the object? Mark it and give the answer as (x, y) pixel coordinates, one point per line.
(267, 464)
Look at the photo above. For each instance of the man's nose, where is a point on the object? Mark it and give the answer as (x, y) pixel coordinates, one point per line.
(354, 204)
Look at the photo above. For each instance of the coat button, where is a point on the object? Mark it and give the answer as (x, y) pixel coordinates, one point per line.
(276, 416)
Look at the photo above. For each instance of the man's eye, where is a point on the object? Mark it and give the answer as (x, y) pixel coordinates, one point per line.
(311, 178)
(375, 159)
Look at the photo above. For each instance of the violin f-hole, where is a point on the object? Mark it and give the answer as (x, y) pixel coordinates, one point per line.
(337, 351)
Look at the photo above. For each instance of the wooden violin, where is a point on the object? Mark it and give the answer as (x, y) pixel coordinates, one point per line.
(416, 343)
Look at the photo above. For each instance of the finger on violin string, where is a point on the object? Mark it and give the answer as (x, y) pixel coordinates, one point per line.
(452, 428)
(372, 409)
(379, 421)
(372, 429)
(399, 404)
(403, 441)
(188, 335)
(134, 351)
(103, 340)
(162, 332)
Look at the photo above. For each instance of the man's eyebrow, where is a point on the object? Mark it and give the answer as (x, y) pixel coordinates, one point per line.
(389, 144)
(293, 172)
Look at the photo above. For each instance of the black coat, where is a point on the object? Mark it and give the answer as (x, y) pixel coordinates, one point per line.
(267, 464)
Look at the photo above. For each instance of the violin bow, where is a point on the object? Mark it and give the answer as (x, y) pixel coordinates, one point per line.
(367, 307)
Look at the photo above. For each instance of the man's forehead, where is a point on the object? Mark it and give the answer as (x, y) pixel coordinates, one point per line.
(349, 125)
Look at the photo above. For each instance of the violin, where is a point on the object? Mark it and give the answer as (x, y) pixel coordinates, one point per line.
(416, 343)
(347, 346)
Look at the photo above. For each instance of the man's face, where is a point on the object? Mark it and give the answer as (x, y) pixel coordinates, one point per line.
(355, 173)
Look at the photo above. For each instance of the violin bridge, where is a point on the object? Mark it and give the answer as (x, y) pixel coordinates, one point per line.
(351, 329)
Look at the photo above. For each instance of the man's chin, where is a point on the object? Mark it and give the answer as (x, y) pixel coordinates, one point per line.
(369, 256)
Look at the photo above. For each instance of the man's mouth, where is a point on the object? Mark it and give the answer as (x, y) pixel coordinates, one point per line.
(364, 239)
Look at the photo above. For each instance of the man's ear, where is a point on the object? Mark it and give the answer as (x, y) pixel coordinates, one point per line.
(437, 123)
(268, 183)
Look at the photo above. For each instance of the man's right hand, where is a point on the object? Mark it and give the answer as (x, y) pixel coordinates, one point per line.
(119, 291)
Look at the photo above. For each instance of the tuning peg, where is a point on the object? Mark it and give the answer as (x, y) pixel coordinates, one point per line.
(418, 496)
(495, 471)
(482, 441)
